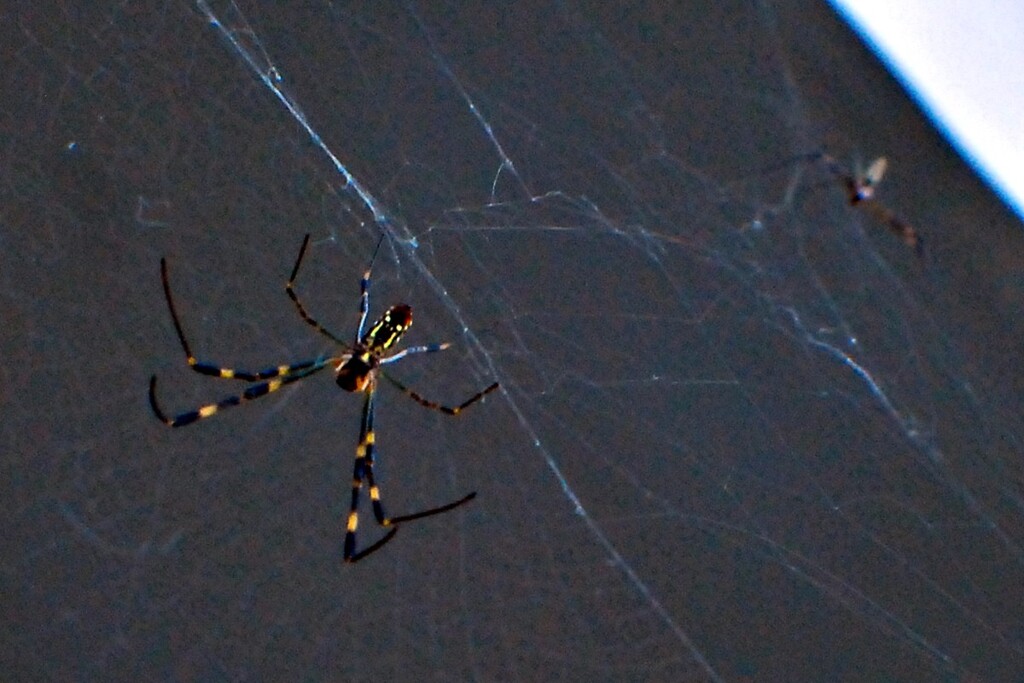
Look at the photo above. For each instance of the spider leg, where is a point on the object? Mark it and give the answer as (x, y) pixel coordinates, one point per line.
(363, 469)
(434, 511)
(447, 410)
(430, 348)
(364, 292)
(355, 557)
(212, 369)
(255, 391)
(290, 288)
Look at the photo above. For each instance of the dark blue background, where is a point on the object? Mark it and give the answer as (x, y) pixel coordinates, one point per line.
(744, 433)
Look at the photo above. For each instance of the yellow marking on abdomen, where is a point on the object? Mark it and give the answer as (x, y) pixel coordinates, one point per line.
(353, 522)
(227, 374)
(374, 493)
(207, 411)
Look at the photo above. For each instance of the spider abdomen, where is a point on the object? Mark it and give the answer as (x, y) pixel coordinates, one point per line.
(386, 332)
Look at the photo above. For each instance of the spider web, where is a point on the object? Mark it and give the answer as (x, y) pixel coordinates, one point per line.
(743, 431)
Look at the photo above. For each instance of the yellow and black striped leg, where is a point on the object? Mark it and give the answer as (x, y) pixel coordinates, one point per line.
(363, 470)
(212, 369)
(230, 373)
(290, 288)
(447, 410)
(378, 508)
(252, 393)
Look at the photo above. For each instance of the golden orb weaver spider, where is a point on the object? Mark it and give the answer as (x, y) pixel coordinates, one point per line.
(356, 369)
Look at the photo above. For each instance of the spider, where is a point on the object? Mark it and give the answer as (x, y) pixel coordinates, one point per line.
(357, 368)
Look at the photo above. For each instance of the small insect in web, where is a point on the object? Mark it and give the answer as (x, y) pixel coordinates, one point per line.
(860, 192)
(357, 368)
